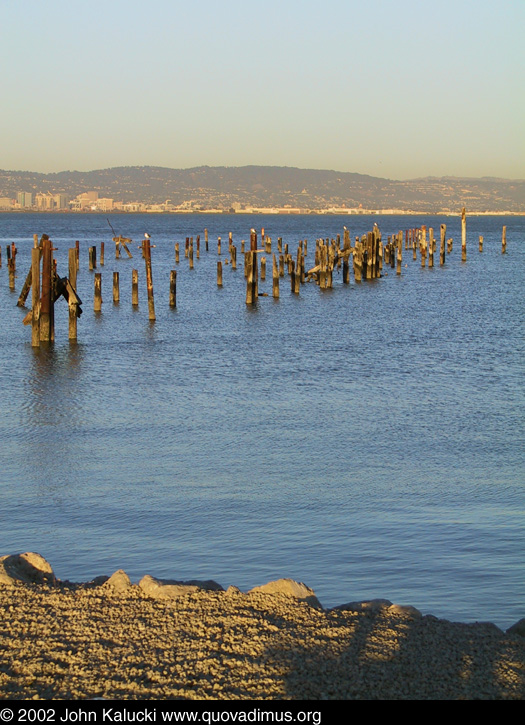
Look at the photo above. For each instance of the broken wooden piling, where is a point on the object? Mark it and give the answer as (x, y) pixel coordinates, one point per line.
(146, 250)
(116, 289)
(35, 294)
(173, 288)
(134, 288)
(72, 301)
(97, 300)
(463, 235)
(47, 308)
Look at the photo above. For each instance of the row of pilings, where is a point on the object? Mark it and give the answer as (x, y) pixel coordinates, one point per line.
(365, 259)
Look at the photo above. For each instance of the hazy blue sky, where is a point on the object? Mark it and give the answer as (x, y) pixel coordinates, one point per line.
(394, 88)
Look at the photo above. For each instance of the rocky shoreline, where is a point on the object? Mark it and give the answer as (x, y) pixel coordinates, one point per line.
(165, 639)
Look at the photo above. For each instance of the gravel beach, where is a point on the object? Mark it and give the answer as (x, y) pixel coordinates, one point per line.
(170, 640)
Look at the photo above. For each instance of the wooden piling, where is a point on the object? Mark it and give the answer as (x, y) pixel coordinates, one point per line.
(146, 248)
(219, 246)
(92, 258)
(101, 254)
(190, 254)
(504, 240)
(116, 290)
(263, 269)
(249, 278)
(11, 269)
(219, 274)
(275, 278)
(430, 247)
(25, 288)
(173, 288)
(47, 317)
(480, 243)
(97, 301)
(463, 235)
(72, 304)
(233, 254)
(443, 233)
(177, 253)
(399, 252)
(206, 238)
(134, 288)
(35, 290)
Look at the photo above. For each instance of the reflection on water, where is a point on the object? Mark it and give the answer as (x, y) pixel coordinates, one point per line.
(367, 441)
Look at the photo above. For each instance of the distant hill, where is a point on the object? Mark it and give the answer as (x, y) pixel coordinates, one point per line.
(265, 186)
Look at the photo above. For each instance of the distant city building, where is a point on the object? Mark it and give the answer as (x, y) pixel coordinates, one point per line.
(6, 202)
(24, 199)
(44, 202)
(61, 201)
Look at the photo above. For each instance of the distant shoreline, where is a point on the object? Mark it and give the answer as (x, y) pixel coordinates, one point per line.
(306, 212)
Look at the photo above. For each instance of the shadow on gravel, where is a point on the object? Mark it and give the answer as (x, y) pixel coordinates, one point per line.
(387, 656)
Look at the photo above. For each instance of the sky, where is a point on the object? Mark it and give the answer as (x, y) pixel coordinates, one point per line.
(391, 88)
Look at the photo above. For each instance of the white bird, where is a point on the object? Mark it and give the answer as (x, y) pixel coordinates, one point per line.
(147, 235)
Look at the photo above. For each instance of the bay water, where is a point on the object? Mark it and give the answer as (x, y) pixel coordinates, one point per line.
(366, 440)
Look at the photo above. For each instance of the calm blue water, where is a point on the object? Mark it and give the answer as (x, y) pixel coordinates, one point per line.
(367, 440)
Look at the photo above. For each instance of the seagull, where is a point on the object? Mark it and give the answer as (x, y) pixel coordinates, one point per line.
(147, 235)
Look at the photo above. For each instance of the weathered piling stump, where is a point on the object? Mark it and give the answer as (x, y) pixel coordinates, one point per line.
(399, 252)
(116, 288)
(463, 235)
(504, 240)
(173, 288)
(480, 246)
(449, 245)
(206, 238)
(443, 233)
(430, 247)
(47, 306)
(250, 283)
(263, 269)
(134, 288)
(275, 278)
(423, 248)
(97, 301)
(72, 301)
(101, 254)
(35, 292)
(292, 275)
(11, 266)
(219, 274)
(177, 253)
(92, 252)
(219, 246)
(146, 250)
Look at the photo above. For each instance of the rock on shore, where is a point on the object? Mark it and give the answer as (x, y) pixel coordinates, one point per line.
(167, 639)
